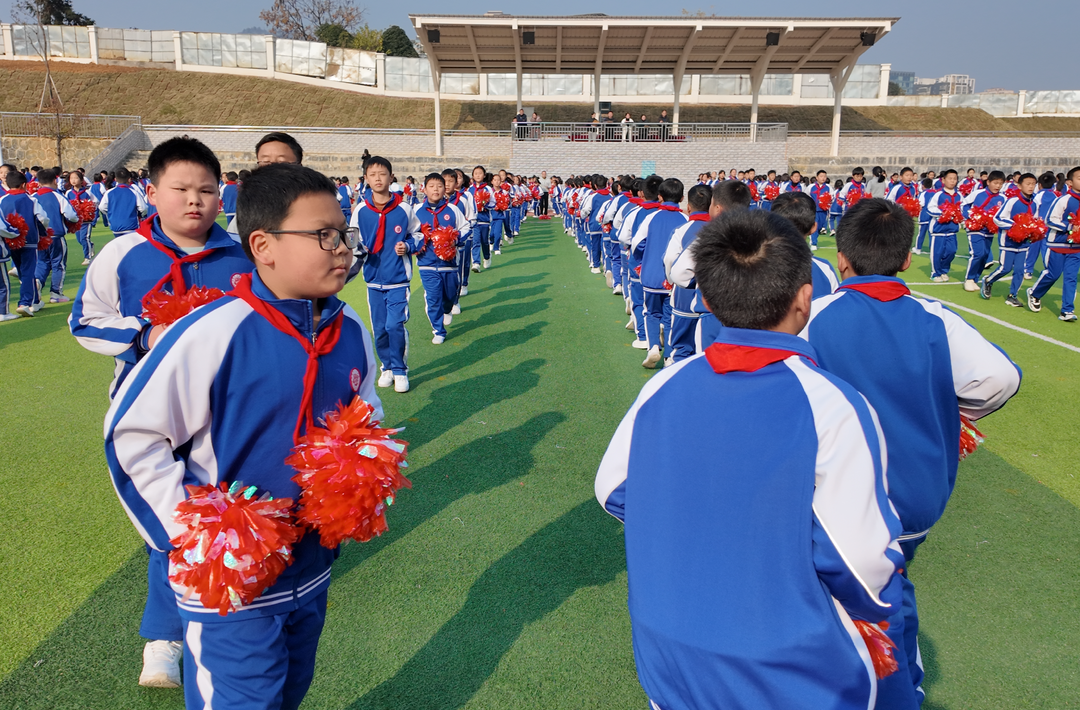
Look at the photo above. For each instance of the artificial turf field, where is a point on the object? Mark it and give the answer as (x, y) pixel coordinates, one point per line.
(502, 583)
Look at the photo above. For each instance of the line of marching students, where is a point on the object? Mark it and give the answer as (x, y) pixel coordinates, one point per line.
(768, 535)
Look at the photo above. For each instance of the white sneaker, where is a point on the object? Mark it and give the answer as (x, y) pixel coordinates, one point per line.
(630, 325)
(595, 270)
(59, 299)
(585, 249)
(669, 362)
(970, 285)
(476, 270)
(497, 252)
(464, 290)
(813, 247)
(386, 378)
(456, 310)
(9, 316)
(401, 383)
(438, 340)
(25, 311)
(161, 664)
(629, 307)
(487, 263)
(653, 357)
(447, 319)
(916, 251)
(86, 262)
(640, 345)
(609, 279)
(617, 291)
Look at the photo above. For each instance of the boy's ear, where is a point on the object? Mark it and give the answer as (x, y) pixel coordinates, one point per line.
(907, 263)
(151, 194)
(261, 245)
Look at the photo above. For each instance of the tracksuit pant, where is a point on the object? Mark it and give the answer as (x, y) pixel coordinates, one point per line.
(25, 261)
(615, 261)
(903, 689)
(481, 245)
(594, 240)
(1012, 259)
(83, 237)
(440, 290)
(657, 315)
(821, 218)
(981, 250)
(924, 230)
(389, 308)
(683, 337)
(53, 260)
(5, 287)
(1034, 251)
(942, 252)
(499, 226)
(160, 619)
(515, 220)
(637, 307)
(464, 264)
(253, 663)
(1057, 265)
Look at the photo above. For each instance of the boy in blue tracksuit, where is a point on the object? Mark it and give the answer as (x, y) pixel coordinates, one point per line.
(627, 231)
(821, 216)
(76, 192)
(388, 239)
(123, 204)
(611, 237)
(500, 226)
(591, 212)
(780, 513)
(927, 193)
(649, 244)
(943, 233)
(345, 197)
(980, 242)
(16, 201)
(1063, 250)
(205, 383)
(457, 195)
(181, 242)
(1013, 251)
(439, 276)
(1044, 200)
(98, 190)
(687, 307)
(53, 260)
(921, 367)
(228, 196)
(483, 198)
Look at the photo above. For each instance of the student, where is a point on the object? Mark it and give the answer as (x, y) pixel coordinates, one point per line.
(457, 195)
(124, 205)
(799, 209)
(483, 196)
(1044, 200)
(905, 188)
(53, 260)
(980, 241)
(854, 190)
(181, 247)
(17, 201)
(500, 225)
(1063, 256)
(199, 384)
(921, 367)
(77, 191)
(943, 233)
(439, 276)
(388, 237)
(769, 191)
(228, 196)
(782, 509)
(928, 192)
(686, 306)
(649, 244)
(836, 208)
(1013, 252)
(793, 183)
(617, 282)
(627, 233)
(877, 187)
(591, 212)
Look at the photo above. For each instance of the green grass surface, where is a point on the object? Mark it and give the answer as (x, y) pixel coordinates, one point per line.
(502, 583)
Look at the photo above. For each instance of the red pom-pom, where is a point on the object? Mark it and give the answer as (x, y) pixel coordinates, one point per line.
(882, 649)
(771, 192)
(1027, 228)
(966, 188)
(753, 191)
(235, 545)
(980, 220)
(1012, 192)
(482, 197)
(45, 240)
(407, 190)
(518, 201)
(1074, 228)
(85, 209)
(162, 308)
(951, 213)
(970, 437)
(443, 240)
(544, 216)
(348, 472)
(16, 221)
(911, 205)
(824, 201)
(853, 198)
(502, 201)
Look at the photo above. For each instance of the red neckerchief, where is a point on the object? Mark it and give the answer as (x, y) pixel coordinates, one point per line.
(324, 343)
(45, 191)
(434, 216)
(176, 272)
(457, 196)
(700, 217)
(725, 357)
(635, 200)
(605, 191)
(649, 205)
(668, 208)
(233, 182)
(987, 200)
(879, 290)
(380, 231)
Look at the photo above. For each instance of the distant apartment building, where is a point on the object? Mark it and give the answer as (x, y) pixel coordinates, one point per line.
(952, 84)
(904, 79)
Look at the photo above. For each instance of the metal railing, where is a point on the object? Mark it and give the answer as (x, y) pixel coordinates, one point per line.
(938, 134)
(72, 125)
(617, 132)
(174, 128)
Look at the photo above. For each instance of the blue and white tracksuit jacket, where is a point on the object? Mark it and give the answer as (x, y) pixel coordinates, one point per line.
(901, 190)
(1012, 252)
(687, 306)
(84, 234)
(54, 260)
(1043, 200)
(25, 259)
(441, 279)
(106, 316)
(124, 206)
(942, 234)
(228, 200)
(591, 214)
(980, 242)
(1063, 257)
(781, 514)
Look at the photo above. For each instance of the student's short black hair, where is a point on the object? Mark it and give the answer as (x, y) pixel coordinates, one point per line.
(651, 187)
(839, 184)
(450, 171)
(379, 160)
(14, 180)
(819, 172)
(269, 194)
(731, 194)
(699, 198)
(434, 176)
(626, 183)
(994, 175)
(97, 177)
(180, 150)
(875, 236)
(638, 186)
(671, 190)
(231, 175)
(799, 209)
(280, 137)
(906, 170)
(599, 181)
(858, 171)
(1027, 176)
(928, 184)
(45, 176)
(750, 266)
(950, 170)
(1047, 181)
(243, 175)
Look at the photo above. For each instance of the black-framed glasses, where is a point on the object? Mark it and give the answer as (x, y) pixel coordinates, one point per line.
(329, 236)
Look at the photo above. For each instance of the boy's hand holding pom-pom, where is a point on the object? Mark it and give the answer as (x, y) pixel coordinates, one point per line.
(85, 209)
(162, 308)
(16, 222)
(910, 205)
(348, 472)
(771, 192)
(824, 201)
(1074, 228)
(980, 220)
(882, 649)
(1027, 228)
(970, 437)
(951, 213)
(45, 240)
(235, 545)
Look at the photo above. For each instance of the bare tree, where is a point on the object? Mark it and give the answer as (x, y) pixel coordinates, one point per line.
(36, 14)
(298, 19)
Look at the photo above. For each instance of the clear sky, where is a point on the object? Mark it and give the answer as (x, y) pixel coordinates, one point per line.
(999, 43)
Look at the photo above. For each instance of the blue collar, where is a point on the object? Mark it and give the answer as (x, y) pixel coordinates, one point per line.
(766, 339)
(218, 239)
(299, 311)
(873, 279)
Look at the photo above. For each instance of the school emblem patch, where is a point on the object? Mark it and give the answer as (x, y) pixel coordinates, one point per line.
(446, 218)
(236, 279)
(397, 229)
(354, 379)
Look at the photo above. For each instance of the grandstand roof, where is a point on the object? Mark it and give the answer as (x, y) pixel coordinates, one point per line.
(495, 43)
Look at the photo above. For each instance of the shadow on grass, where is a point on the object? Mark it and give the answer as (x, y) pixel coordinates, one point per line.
(583, 548)
(482, 348)
(47, 321)
(510, 295)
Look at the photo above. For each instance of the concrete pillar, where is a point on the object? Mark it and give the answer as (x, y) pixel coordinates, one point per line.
(178, 51)
(944, 101)
(482, 82)
(271, 57)
(754, 111)
(677, 85)
(1021, 103)
(9, 43)
(596, 92)
(518, 77)
(92, 32)
(883, 87)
